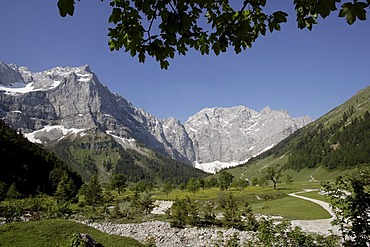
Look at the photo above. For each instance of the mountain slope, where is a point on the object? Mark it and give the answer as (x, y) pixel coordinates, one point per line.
(28, 166)
(94, 151)
(338, 140)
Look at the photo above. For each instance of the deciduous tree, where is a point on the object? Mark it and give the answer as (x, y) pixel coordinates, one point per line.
(272, 173)
(118, 181)
(193, 185)
(167, 188)
(350, 200)
(161, 29)
(225, 179)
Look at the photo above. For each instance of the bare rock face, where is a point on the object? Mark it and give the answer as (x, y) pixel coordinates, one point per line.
(73, 98)
(8, 75)
(238, 133)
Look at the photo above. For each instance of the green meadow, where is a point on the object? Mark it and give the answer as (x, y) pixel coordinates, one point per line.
(55, 232)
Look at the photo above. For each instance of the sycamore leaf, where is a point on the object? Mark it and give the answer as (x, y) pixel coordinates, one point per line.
(66, 7)
(324, 7)
(164, 64)
(360, 11)
(347, 11)
(352, 11)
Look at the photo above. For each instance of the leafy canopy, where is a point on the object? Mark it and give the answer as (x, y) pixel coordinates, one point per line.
(161, 29)
(350, 201)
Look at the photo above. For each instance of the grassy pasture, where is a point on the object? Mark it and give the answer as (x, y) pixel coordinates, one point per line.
(291, 208)
(55, 232)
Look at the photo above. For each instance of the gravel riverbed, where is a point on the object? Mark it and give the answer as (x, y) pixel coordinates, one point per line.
(165, 236)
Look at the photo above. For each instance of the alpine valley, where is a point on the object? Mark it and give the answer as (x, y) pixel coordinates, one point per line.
(71, 113)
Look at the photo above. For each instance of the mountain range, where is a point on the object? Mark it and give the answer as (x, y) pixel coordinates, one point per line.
(69, 103)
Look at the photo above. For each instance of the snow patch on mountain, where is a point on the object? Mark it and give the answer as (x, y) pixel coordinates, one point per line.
(52, 133)
(22, 88)
(215, 166)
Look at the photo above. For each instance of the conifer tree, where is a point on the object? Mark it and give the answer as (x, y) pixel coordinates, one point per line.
(192, 218)
(66, 189)
(13, 192)
(232, 215)
(178, 214)
(3, 190)
(94, 192)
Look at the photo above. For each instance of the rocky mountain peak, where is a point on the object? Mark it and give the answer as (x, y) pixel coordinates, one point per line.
(9, 76)
(50, 104)
(237, 133)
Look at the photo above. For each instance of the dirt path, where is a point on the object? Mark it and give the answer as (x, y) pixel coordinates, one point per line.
(322, 226)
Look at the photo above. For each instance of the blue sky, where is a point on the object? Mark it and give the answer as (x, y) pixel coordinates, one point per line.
(306, 73)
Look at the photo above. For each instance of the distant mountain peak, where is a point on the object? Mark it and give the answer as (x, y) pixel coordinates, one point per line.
(73, 100)
(225, 137)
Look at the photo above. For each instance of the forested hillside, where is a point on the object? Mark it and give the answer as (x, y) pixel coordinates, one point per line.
(27, 167)
(338, 140)
(339, 146)
(99, 153)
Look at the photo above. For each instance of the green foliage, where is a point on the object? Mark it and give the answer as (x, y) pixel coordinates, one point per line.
(178, 213)
(282, 234)
(142, 186)
(223, 240)
(272, 173)
(224, 179)
(193, 186)
(3, 190)
(232, 215)
(289, 179)
(238, 215)
(34, 208)
(146, 202)
(350, 200)
(97, 151)
(240, 183)
(118, 181)
(76, 240)
(171, 27)
(94, 193)
(209, 217)
(342, 145)
(55, 232)
(255, 181)
(66, 190)
(211, 182)
(155, 167)
(12, 192)
(66, 7)
(193, 217)
(187, 212)
(167, 188)
(29, 167)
